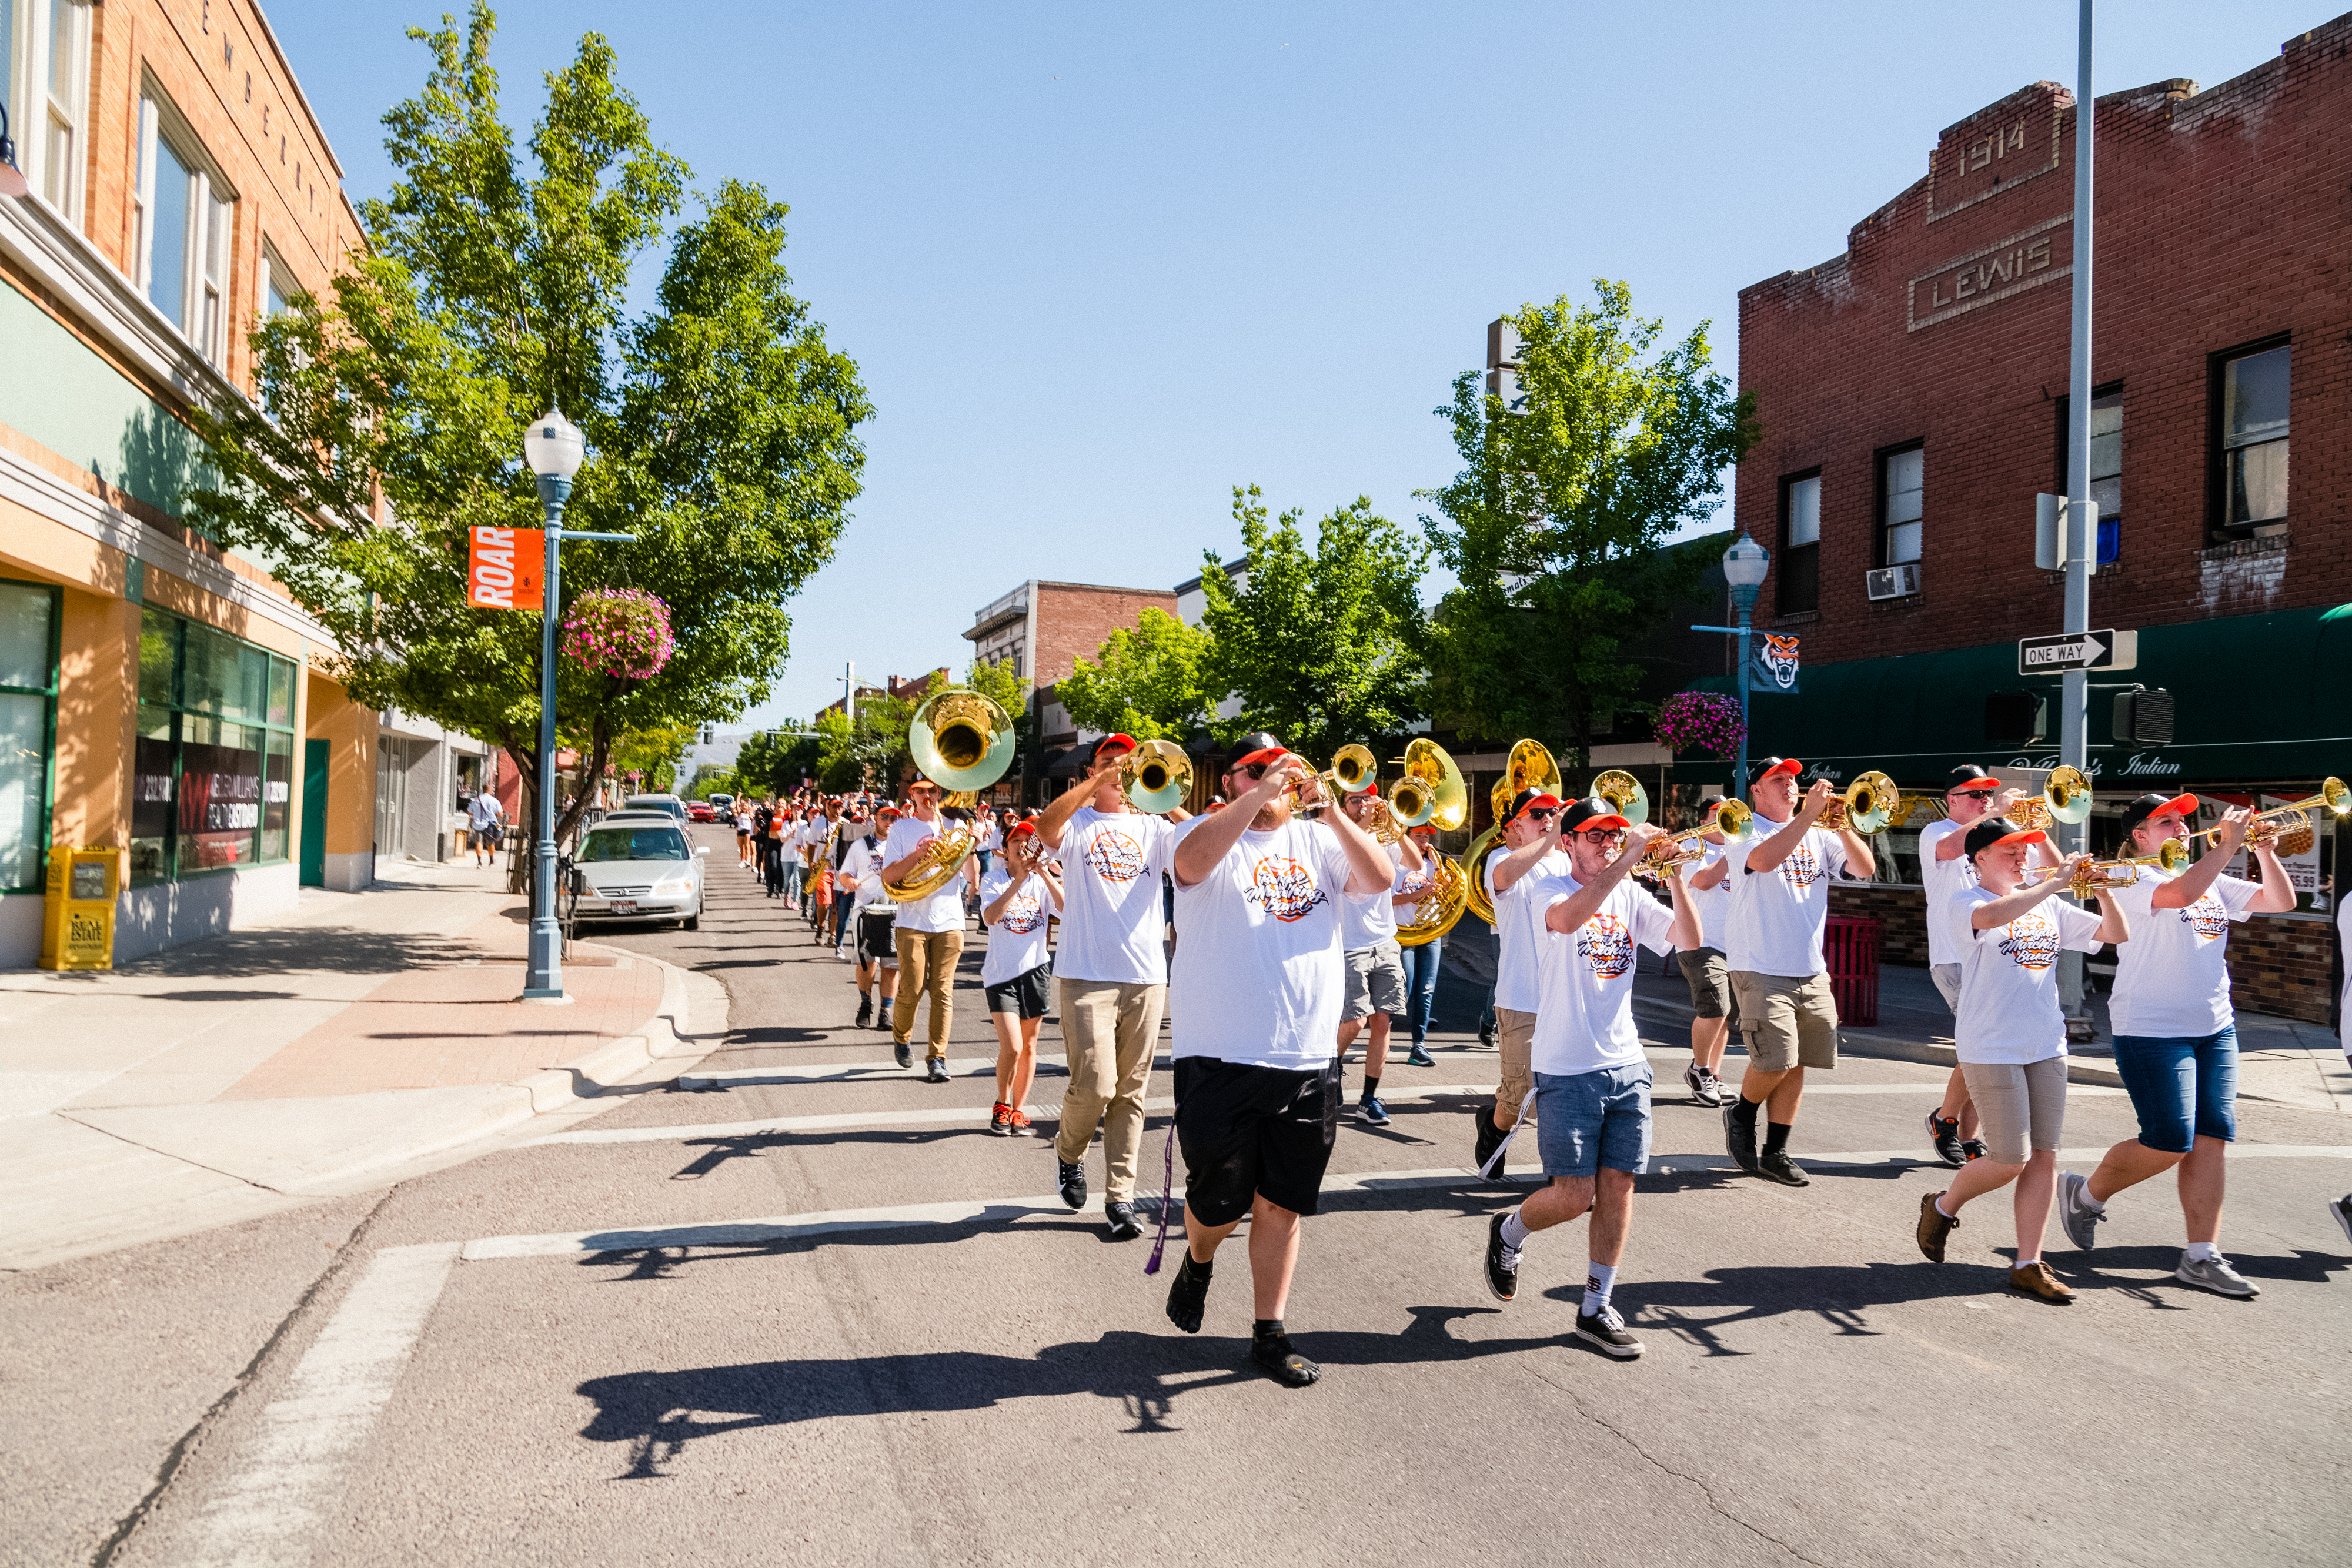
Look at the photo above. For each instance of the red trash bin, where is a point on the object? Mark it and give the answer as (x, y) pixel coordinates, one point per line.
(1850, 946)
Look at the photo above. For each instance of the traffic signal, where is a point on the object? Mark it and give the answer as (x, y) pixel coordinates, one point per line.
(2143, 718)
(2016, 718)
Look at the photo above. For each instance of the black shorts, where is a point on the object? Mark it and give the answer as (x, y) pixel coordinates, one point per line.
(1248, 1131)
(878, 937)
(1023, 995)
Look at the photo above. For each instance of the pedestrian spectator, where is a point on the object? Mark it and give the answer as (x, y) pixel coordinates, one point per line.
(484, 815)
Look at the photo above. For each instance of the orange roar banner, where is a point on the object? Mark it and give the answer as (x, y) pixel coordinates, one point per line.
(504, 567)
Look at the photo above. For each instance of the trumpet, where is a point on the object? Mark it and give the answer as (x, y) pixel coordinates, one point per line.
(1868, 806)
(2291, 821)
(1732, 819)
(2091, 876)
(2065, 798)
(1350, 771)
(1158, 776)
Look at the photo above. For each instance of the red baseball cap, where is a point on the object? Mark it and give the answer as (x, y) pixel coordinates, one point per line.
(1017, 829)
(1261, 749)
(1114, 743)
(887, 812)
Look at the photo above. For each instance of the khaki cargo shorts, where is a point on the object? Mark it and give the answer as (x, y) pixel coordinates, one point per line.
(1790, 1022)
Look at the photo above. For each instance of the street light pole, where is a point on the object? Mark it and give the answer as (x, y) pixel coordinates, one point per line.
(553, 449)
(2081, 552)
(1744, 565)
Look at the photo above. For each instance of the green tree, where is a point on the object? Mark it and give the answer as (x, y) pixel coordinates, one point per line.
(710, 780)
(720, 427)
(1321, 646)
(1555, 527)
(1148, 681)
(772, 762)
(651, 754)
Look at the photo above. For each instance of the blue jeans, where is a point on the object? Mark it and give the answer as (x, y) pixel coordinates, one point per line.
(840, 915)
(2182, 1087)
(1587, 1120)
(793, 869)
(1421, 984)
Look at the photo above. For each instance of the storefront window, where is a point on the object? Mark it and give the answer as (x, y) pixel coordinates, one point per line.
(214, 772)
(28, 721)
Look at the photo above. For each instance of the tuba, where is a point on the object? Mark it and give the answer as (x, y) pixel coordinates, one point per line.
(1159, 775)
(962, 742)
(1529, 767)
(1441, 904)
(1622, 794)
(1431, 791)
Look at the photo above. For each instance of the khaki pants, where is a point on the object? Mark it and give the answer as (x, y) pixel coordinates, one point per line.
(1515, 1033)
(1790, 1020)
(1110, 1032)
(927, 961)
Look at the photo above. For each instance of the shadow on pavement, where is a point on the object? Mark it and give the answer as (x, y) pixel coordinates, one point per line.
(273, 954)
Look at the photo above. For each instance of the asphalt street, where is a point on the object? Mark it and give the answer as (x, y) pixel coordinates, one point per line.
(800, 1307)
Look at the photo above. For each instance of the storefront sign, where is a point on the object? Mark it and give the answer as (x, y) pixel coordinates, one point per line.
(503, 567)
(2024, 260)
(2139, 765)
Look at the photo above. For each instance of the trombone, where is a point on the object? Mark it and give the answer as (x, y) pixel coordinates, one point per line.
(2091, 876)
(2294, 817)
(1870, 803)
(2065, 798)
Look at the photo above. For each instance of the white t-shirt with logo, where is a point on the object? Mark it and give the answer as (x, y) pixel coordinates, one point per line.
(2172, 978)
(1713, 907)
(943, 910)
(1374, 921)
(2009, 1011)
(863, 864)
(1113, 921)
(1517, 985)
(1585, 1023)
(1778, 917)
(1943, 880)
(1259, 975)
(1016, 942)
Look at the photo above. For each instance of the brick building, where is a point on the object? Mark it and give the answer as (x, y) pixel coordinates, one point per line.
(1043, 628)
(1912, 392)
(158, 694)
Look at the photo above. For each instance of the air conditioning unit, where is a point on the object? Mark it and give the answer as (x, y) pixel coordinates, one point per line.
(1892, 581)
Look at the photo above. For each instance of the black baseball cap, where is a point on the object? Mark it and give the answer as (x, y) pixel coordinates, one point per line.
(2156, 805)
(1590, 813)
(1527, 798)
(1969, 778)
(2000, 831)
(1771, 765)
(1257, 747)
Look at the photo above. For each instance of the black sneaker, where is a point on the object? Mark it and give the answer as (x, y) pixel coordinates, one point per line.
(898, 1048)
(1739, 1138)
(865, 1009)
(1502, 1264)
(1124, 1226)
(1372, 1110)
(1490, 1138)
(935, 1070)
(1188, 1292)
(1273, 1351)
(1973, 1149)
(1487, 1036)
(1775, 1166)
(1944, 1133)
(1607, 1330)
(1074, 1183)
(1419, 1056)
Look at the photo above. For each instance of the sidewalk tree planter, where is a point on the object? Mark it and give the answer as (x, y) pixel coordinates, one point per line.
(720, 428)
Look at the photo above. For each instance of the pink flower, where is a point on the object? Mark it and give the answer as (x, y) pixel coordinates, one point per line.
(622, 632)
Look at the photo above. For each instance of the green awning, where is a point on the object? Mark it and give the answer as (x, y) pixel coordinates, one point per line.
(2259, 699)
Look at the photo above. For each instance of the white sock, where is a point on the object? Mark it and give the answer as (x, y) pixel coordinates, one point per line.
(1598, 1280)
(1515, 1232)
(2096, 1204)
(1941, 1210)
(2029, 1262)
(2204, 1251)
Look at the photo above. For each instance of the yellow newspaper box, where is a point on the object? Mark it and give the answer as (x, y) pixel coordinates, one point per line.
(78, 927)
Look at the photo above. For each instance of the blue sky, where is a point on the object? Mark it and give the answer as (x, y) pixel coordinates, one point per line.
(1098, 264)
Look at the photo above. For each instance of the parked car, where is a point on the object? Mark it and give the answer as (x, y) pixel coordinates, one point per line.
(663, 802)
(701, 811)
(638, 866)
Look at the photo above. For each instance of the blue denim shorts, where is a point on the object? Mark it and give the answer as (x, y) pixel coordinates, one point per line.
(2179, 1084)
(1587, 1120)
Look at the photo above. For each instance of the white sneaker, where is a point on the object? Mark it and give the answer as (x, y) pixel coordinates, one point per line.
(2215, 1275)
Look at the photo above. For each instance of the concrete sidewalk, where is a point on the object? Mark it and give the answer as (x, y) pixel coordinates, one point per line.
(369, 1036)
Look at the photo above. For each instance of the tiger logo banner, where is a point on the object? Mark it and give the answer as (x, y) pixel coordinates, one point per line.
(1775, 663)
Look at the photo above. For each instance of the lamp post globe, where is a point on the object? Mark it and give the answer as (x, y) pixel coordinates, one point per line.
(1745, 565)
(553, 449)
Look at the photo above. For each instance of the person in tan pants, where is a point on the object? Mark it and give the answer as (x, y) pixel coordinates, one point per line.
(930, 929)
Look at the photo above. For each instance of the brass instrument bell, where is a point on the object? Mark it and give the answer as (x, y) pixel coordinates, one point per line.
(1159, 775)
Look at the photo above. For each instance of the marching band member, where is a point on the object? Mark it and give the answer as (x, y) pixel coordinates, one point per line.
(877, 917)
(1706, 974)
(1533, 834)
(1591, 1078)
(1779, 911)
(1375, 963)
(1255, 1000)
(1972, 796)
(929, 929)
(2176, 1034)
(1111, 973)
(2011, 1037)
(1421, 962)
(1017, 898)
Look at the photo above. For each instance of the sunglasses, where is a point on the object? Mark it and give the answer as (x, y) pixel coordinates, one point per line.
(1542, 814)
(1254, 770)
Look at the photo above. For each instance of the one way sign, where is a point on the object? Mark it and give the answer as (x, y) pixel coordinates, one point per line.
(2106, 650)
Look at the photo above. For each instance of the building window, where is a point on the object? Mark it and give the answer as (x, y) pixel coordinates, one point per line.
(186, 218)
(28, 729)
(1800, 543)
(2254, 435)
(2106, 463)
(1902, 480)
(213, 766)
(45, 82)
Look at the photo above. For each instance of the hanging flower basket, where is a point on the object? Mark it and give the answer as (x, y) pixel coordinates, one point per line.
(622, 632)
(1708, 721)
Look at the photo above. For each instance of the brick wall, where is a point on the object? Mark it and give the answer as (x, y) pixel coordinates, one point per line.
(1901, 914)
(1074, 619)
(2224, 217)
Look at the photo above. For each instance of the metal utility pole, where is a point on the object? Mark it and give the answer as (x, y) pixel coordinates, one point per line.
(2080, 543)
(849, 692)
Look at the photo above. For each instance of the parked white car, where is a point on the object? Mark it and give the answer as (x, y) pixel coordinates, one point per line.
(641, 869)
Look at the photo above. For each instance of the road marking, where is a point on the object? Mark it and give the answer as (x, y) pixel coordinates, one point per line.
(310, 1434)
(773, 1230)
